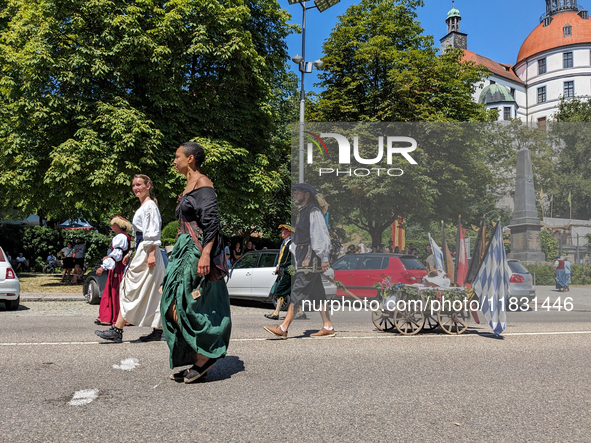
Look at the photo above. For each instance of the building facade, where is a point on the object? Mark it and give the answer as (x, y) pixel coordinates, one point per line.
(554, 62)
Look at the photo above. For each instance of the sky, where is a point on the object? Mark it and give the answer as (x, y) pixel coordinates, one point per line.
(496, 29)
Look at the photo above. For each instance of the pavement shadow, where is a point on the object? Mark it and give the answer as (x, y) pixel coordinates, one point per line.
(20, 307)
(225, 368)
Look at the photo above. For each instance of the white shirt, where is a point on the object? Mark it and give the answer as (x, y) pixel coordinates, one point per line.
(319, 237)
(147, 221)
(67, 252)
(115, 253)
(79, 250)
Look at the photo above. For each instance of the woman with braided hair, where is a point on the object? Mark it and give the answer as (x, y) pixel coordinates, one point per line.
(139, 293)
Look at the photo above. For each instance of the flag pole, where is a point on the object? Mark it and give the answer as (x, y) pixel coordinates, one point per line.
(444, 246)
(458, 246)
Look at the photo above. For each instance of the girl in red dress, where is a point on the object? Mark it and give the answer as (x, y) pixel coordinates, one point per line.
(113, 262)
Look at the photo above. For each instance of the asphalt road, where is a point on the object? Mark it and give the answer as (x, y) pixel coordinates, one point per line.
(363, 385)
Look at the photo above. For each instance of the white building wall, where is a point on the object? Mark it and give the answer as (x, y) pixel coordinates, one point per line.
(554, 78)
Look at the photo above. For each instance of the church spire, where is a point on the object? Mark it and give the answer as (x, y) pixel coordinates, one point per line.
(454, 37)
(453, 19)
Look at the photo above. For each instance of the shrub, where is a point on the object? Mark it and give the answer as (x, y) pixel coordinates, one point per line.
(36, 242)
(544, 273)
(169, 232)
(580, 275)
(549, 245)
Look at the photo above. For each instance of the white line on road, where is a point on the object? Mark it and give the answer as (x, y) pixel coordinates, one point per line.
(360, 337)
(128, 364)
(83, 397)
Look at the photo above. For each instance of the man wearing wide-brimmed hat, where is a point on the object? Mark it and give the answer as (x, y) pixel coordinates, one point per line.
(113, 262)
(312, 250)
(282, 287)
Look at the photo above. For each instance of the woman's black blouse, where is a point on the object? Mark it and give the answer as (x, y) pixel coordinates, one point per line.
(201, 206)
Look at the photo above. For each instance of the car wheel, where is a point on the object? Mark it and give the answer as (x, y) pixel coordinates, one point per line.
(284, 305)
(12, 305)
(91, 292)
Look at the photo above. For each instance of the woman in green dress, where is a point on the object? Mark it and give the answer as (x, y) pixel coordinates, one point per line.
(195, 305)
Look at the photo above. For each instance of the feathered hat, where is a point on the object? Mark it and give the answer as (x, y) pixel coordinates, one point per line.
(122, 223)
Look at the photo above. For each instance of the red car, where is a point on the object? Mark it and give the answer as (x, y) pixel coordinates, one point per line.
(359, 272)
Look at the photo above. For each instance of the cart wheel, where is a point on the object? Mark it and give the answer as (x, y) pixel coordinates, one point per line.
(383, 320)
(454, 322)
(430, 323)
(409, 322)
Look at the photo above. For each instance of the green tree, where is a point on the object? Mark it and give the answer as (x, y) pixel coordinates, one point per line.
(93, 92)
(379, 66)
(572, 132)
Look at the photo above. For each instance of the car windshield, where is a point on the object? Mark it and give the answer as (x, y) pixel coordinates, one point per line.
(346, 263)
(267, 260)
(248, 261)
(411, 264)
(517, 268)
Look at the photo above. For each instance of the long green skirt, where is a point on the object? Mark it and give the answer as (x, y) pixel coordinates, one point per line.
(204, 323)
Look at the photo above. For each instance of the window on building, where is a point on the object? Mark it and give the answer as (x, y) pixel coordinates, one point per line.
(506, 113)
(569, 89)
(492, 82)
(512, 91)
(568, 30)
(542, 94)
(542, 66)
(542, 123)
(567, 58)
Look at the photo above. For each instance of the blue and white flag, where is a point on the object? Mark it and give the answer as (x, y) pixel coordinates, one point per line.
(437, 254)
(492, 282)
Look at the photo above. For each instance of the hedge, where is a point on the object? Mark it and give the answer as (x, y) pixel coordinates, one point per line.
(580, 274)
(36, 242)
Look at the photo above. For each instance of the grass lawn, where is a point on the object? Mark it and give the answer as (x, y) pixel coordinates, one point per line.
(46, 283)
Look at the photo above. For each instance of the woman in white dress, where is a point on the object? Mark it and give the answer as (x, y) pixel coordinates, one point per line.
(140, 288)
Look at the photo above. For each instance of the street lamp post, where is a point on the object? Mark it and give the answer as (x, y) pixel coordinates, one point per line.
(306, 68)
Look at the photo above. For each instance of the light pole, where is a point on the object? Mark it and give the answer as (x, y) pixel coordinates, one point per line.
(306, 68)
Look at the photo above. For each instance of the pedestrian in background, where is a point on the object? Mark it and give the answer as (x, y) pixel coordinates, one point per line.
(236, 253)
(282, 287)
(139, 293)
(113, 264)
(560, 274)
(67, 260)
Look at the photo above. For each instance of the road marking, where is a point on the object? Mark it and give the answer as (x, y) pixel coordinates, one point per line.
(129, 364)
(358, 337)
(83, 397)
(51, 344)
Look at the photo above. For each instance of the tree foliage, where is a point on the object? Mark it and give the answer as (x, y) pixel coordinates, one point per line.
(93, 92)
(572, 167)
(379, 66)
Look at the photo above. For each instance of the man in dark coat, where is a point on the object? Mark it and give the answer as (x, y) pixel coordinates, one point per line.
(312, 249)
(282, 287)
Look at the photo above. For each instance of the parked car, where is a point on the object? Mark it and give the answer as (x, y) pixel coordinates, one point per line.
(10, 287)
(359, 272)
(252, 277)
(94, 284)
(521, 281)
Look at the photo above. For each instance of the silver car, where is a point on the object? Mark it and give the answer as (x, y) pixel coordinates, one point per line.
(521, 281)
(10, 287)
(253, 276)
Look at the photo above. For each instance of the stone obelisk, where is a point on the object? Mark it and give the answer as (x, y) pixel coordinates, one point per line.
(526, 241)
